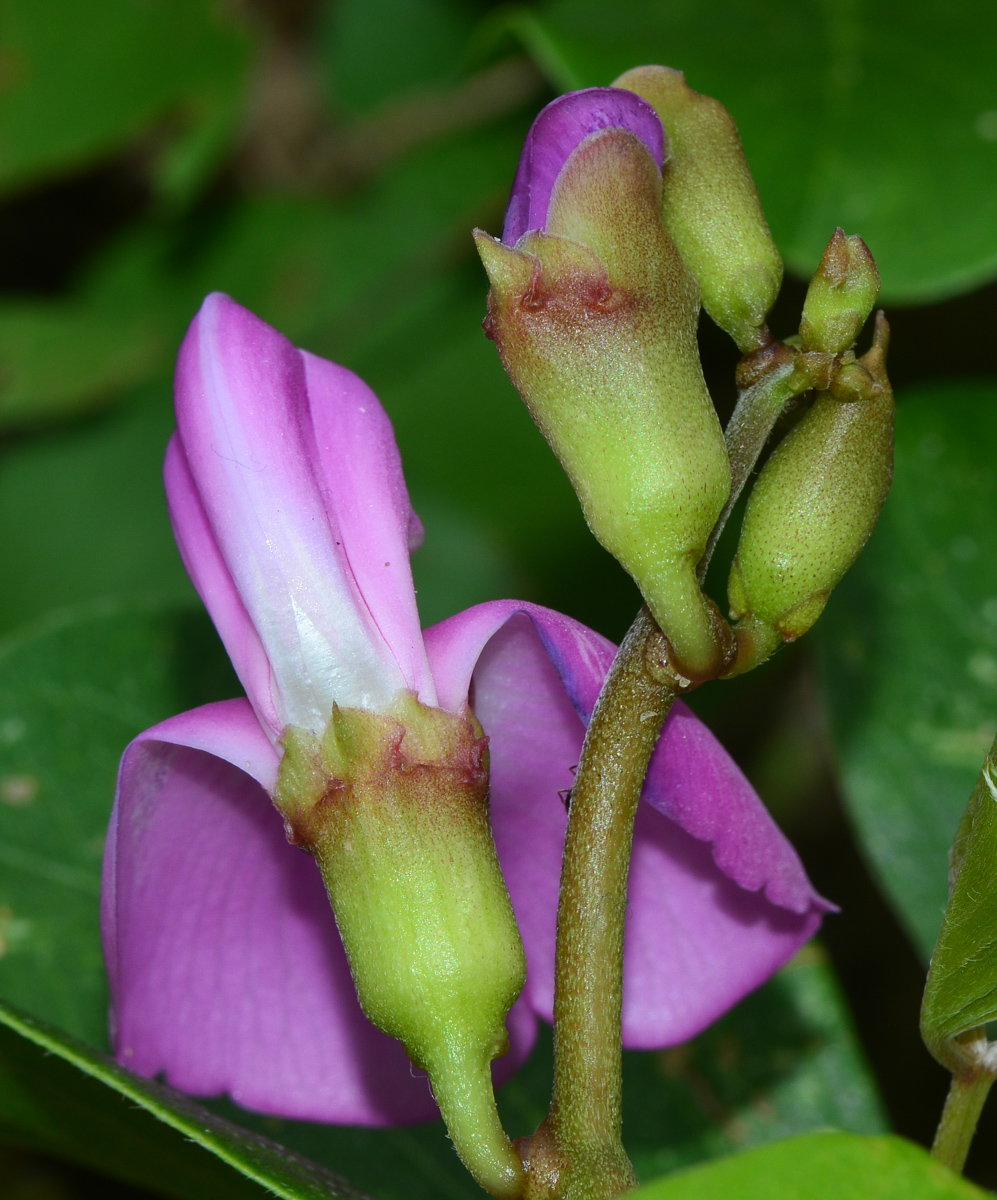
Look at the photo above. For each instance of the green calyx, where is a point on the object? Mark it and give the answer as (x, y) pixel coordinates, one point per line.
(812, 510)
(394, 807)
(595, 320)
(710, 205)
(841, 295)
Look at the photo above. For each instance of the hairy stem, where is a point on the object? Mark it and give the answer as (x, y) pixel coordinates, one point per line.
(960, 1115)
(577, 1152)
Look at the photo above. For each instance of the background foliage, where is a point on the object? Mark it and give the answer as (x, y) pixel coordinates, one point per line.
(323, 162)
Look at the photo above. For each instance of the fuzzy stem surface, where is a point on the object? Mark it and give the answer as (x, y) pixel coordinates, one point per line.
(577, 1153)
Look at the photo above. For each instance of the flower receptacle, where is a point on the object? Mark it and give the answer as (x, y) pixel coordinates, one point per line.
(710, 205)
(394, 807)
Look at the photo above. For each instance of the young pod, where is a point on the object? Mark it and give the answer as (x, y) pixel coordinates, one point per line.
(811, 512)
(710, 205)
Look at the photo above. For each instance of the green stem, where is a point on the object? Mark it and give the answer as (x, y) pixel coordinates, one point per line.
(752, 421)
(577, 1152)
(963, 1106)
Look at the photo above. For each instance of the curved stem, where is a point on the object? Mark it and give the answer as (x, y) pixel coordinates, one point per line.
(959, 1118)
(578, 1151)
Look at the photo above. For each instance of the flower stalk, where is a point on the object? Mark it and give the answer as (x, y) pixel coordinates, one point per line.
(578, 1151)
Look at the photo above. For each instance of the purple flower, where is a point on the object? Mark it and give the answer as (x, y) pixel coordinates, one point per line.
(554, 135)
(226, 969)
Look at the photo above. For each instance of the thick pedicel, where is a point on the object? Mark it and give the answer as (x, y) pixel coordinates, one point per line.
(595, 319)
(811, 512)
(710, 205)
(395, 810)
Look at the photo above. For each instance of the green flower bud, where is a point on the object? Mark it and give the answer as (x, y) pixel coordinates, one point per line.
(812, 510)
(841, 295)
(595, 319)
(395, 810)
(711, 207)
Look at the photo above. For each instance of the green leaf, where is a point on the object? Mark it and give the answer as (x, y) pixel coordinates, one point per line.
(822, 1166)
(374, 49)
(74, 691)
(58, 1096)
(80, 80)
(881, 118)
(961, 992)
(59, 358)
(908, 649)
(83, 514)
(782, 1062)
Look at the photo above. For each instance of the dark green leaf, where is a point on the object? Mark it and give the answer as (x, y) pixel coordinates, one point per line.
(822, 1166)
(909, 649)
(58, 1096)
(73, 692)
(961, 992)
(82, 513)
(881, 117)
(79, 80)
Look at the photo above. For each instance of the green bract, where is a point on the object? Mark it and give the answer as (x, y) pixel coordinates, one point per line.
(841, 295)
(595, 320)
(395, 809)
(710, 205)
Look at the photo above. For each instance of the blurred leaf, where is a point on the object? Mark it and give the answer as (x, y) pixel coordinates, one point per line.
(58, 358)
(79, 80)
(784, 1061)
(330, 275)
(83, 514)
(881, 117)
(74, 690)
(374, 49)
(58, 1096)
(961, 992)
(821, 1166)
(909, 649)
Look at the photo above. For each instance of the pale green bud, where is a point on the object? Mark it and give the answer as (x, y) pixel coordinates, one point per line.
(595, 320)
(811, 511)
(841, 295)
(710, 205)
(394, 808)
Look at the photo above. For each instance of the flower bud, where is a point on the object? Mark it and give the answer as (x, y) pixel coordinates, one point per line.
(811, 512)
(594, 314)
(841, 295)
(711, 207)
(394, 808)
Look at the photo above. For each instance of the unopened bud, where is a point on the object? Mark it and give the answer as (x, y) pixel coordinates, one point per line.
(594, 314)
(811, 512)
(394, 808)
(711, 207)
(841, 295)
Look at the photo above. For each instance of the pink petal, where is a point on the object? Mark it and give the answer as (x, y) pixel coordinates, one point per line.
(217, 589)
(556, 132)
(245, 427)
(227, 972)
(707, 923)
(362, 472)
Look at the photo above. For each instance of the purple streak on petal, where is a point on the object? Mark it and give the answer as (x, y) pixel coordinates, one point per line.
(370, 505)
(227, 972)
(242, 413)
(215, 586)
(706, 924)
(556, 132)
